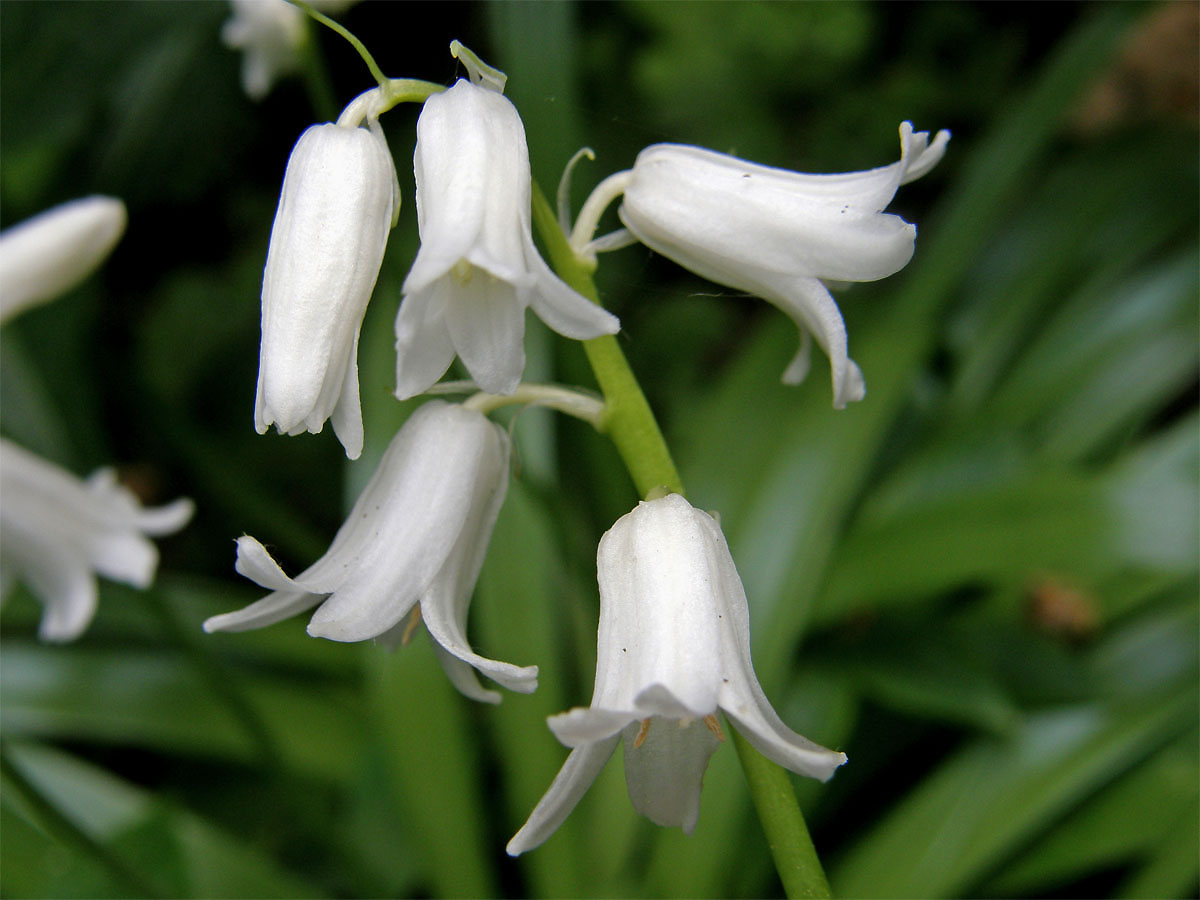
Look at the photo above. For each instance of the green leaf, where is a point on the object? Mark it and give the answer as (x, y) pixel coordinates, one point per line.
(149, 699)
(1173, 869)
(171, 846)
(995, 795)
(1130, 819)
(433, 771)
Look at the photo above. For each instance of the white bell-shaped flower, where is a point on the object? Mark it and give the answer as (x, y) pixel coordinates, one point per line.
(417, 535)
(49, 254)
(58, 532)
(335, 211)
(778, 234)
(673, 648)
(271, 35)
(478, 269)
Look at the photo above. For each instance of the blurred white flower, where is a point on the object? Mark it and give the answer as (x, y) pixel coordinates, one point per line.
(49, 254)
(271, 34)
(478, 269)
(335, 211)
(417, 535)
(57, 533)
(673, 647)
(778, 234)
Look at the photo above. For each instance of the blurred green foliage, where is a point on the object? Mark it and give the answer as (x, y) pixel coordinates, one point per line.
(981, 582)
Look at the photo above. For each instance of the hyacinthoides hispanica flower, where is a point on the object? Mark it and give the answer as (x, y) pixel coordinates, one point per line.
(673, 648)
(411, 546)
(478, 269)
(336, 208)
(57, 531)
(777, 234)
(271, 35)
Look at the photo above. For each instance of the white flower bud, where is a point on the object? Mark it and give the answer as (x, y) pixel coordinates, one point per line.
(335, 210)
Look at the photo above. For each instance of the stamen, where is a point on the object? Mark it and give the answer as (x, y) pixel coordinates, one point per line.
(715, 727)
(641, 735)
(462, 271)
(414, 619)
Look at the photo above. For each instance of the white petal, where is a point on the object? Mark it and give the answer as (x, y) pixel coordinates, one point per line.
(255, 563)
(274, 607)
(486, 323)
(571, 783)
(450, 636)
(124, 556)
(812, 308)
(444, 606)
(563, 309)
(70, 598)
(423, 348)
(49, 254)
(166, 519)
(921, 156)
(665, 772)
(346, 417)
(579, 726)
(58, 576)
(741, 697)
(463, 677)
(801, 363)
(287, 598)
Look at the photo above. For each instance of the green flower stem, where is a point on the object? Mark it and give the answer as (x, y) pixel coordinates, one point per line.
(358, 45)
(630, 423)
(628, 419)
(791, 845)
(375, 102)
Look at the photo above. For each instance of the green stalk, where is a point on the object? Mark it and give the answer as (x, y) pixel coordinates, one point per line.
(791, 845)
(630, 423)
(628, 419)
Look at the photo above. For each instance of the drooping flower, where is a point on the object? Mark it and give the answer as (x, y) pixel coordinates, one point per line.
(335, 211)
(271, 35)
(478, 269)
(673, 647)
(59, 532)
(779, 234)
(416, 537)
(44, 257)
